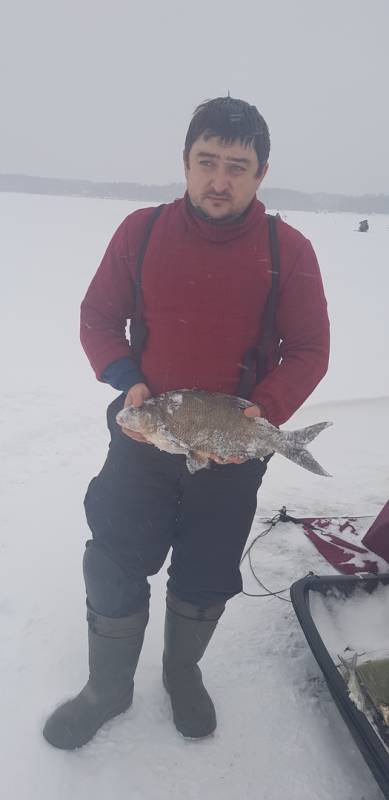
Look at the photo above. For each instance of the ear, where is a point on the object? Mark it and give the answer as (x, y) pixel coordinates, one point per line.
(263, 173)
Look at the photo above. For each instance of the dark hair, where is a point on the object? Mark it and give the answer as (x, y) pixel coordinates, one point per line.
(231, 120)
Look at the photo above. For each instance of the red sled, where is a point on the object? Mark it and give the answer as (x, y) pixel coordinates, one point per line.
(345, 543)
(377, 537)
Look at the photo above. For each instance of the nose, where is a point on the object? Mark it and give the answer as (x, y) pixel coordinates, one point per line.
(220, 182)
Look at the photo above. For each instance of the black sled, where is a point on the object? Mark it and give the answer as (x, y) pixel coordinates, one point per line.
(367, 715)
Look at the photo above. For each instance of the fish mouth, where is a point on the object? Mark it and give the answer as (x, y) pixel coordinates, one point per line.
(128, 418)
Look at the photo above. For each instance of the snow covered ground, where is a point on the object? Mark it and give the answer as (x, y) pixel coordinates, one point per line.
(279, 733)
(356, 624)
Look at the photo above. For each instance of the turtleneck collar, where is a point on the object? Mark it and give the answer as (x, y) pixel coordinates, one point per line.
(215, 231)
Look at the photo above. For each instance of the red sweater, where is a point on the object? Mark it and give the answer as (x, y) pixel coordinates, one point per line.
(204, 289)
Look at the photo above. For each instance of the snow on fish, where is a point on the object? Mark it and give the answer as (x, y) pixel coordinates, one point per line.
(197, 423)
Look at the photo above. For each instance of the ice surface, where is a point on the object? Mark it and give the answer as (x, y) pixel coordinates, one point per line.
(279, 733)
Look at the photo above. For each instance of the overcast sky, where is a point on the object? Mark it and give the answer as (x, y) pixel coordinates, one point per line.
(104, 89)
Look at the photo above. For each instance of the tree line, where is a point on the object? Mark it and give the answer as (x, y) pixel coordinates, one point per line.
(286, 199)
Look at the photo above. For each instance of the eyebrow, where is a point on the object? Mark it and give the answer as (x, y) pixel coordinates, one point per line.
(204, 154)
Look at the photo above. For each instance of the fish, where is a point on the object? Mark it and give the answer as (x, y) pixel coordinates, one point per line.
(197, 423)
(348, 670)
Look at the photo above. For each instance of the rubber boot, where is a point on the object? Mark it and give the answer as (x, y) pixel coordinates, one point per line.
(188, 631)
(114, 649)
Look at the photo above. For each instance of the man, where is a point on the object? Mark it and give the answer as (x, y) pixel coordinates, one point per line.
(196, 283)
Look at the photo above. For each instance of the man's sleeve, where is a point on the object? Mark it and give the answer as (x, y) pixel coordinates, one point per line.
(122, 374)
(109, 303)
(303, 328)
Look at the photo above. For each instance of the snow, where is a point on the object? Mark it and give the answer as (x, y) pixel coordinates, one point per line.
(358, 623)
(279, 733)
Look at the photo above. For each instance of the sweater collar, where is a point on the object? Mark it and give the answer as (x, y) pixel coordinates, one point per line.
(214, 232)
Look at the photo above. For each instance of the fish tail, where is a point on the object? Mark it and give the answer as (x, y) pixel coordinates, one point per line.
(304, 459)
(293, 447)
(306, 435)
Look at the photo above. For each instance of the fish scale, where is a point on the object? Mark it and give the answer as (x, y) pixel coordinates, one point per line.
(214, 423)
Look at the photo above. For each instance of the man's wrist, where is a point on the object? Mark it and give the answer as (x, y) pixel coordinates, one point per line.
(122, 374)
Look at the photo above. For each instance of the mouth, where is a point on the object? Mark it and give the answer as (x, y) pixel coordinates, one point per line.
(218, 199)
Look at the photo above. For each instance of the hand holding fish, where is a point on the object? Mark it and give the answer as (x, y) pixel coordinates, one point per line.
(136, 396)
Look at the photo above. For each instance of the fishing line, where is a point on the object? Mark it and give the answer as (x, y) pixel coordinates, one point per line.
(247, 554)
(283, 516)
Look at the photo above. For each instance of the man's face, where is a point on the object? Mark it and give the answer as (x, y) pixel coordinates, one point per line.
(222, 179)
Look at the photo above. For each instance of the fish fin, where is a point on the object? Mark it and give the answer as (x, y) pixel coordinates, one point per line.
(349, 664)
(242, 403)
(306, 435)
(292, 446)
(304, 459)
(164, 440)
(194, 462)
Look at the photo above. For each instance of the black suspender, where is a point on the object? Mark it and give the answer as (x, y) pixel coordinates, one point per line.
(254, 366)
(138, 328)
